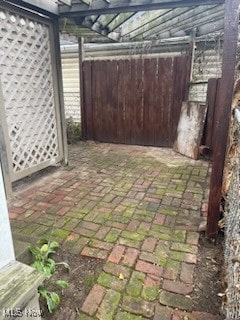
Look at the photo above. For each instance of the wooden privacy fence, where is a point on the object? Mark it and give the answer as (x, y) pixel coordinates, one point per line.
(135, 101)
(212, 90)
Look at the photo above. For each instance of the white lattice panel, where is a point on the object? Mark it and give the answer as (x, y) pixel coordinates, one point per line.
(27, 83)
(72, 106)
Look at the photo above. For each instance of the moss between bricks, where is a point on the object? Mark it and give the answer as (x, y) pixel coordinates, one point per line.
(109, 305)
(135, 284)
(112, 236)
(132, 235)
(184, 247)
(172, 264)
(159, 235)
(121, 219)
(179, 235)
(180, 256)
(130, 242)
(142, 230)
(162, 229)
(150, 293)
(60, 233)
(83, 316)
(108, 281)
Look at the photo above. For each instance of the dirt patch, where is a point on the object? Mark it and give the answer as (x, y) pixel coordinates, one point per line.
(85, 271)
(83, 274)
(208, 276)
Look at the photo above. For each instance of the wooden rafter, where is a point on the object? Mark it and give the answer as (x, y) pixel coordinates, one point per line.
(119, 6)
(168, 15)
(106, 24)
(69, 27)
(190, 20)
(120, 19)
(66, 2)
(147, 19)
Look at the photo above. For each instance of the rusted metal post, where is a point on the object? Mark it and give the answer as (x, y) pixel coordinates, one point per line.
(222, 114)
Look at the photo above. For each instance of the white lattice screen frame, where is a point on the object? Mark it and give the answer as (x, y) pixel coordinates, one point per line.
(35, 165)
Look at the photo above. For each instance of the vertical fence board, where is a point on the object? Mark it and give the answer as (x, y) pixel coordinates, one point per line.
(169, 102)
(160, 114)
(211, 101)
(147, 98)
(127, 94)
(120, 103)
(139, 100)
(87, 119)
(114, 97)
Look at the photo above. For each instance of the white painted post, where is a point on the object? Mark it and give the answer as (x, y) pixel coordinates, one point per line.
(6, 242)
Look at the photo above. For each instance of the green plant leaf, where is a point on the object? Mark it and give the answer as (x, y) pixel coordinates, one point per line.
(44, 248)
(51, 305)
(55, 298)
(43, 292)
(47, 271)
(50, 251)
(61, 283)
(38, 266)
(47, 265)
(65, 264)
(34, 250)
(52, 264)
(53, 245)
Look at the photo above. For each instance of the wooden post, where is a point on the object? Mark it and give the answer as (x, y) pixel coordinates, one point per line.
(60, 87)
(192, 51)
(222, 114)
(5, 152)
(81, 59)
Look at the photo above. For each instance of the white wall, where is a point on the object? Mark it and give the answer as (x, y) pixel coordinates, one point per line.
(6, 242)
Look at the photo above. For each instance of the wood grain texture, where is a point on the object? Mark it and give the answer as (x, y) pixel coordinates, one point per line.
(222, 113)
(18, 285)
(135, 101)
(213, 85)
(190, 129)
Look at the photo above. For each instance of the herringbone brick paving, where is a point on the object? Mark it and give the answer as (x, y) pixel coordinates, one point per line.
(138, 209)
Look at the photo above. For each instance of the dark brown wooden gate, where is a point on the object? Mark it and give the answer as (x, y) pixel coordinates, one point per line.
(135, 101)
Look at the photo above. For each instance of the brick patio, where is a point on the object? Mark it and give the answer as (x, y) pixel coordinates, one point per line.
(138, 209)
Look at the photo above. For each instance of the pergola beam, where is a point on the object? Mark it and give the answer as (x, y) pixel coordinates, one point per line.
(45, 7)
(119, 6)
